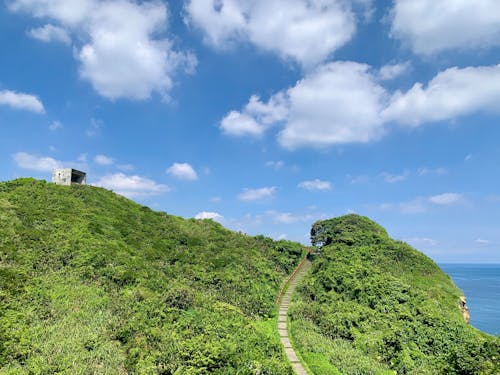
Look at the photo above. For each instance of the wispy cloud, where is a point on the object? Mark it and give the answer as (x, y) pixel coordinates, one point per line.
(256, 194)
(482, 241)
(103, 160)
(315, 185)
(424, 204)
(393, 178)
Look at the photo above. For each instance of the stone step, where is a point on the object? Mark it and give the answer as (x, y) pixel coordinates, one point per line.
(282, 320)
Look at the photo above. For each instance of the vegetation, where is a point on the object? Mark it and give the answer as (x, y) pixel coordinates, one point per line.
(91, 282)
(373, 305)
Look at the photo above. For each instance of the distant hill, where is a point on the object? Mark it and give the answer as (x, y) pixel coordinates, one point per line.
(91, 282)
(373, 305)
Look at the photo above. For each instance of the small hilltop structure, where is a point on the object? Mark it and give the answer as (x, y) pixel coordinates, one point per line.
(68, 176)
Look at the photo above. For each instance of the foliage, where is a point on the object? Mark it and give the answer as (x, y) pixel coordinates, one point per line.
(91, 282)
(373, 305)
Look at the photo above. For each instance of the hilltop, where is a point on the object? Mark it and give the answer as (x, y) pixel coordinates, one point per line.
(92, 282)
(374, 305)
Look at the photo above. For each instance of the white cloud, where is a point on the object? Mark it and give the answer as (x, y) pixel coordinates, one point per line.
(275, 164)
(256, 194)
(446, 199)
(239, 124)
(337, 103)
(182, 171)
(424, 204)
(256, 117)
(451, 93)
(216, 199)
(126, 31)
(50, 33)
(306, 31)
(19, 100)
(430, 26)
(360, 179)
(432, 171)
(482, 241)
(389, 72)
(315, 184)
(208, 215)
(36, 163)
(94, 128)
(103, 160)
(343, 102)
(393, 178)
(131, 186)
(55, 125)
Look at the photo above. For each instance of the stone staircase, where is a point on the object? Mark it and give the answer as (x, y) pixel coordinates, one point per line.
(282, 315)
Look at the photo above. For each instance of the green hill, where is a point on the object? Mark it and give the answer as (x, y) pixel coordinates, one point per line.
(91, 282)
(373, 305)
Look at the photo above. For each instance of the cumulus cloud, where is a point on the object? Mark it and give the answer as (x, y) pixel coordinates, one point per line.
(337, 103)
(208, 215)
(131, 186)
(452, 93)
(256, 117)
(125, 31)
(306, 31)
(256, 194)
(239, 124)
(182, 171)
(315, 184)
(103, 160)
(34, 162)
(19, 100)
(50, 33)
(429, 26)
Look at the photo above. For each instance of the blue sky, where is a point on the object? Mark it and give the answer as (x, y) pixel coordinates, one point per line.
(267, 115)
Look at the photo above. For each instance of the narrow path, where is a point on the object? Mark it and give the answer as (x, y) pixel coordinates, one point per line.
(283, 312)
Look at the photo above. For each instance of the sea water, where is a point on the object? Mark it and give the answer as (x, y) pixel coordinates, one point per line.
(481, 285)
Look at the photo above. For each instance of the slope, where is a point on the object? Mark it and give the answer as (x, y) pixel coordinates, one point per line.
(373, 305)
(91, 282)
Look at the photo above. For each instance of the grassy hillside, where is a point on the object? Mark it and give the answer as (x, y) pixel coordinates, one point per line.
(91, 282)
(373, 305)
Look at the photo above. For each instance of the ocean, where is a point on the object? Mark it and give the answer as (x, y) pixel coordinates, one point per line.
(481, 285)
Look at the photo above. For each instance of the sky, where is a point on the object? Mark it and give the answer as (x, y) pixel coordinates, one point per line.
(267, 115)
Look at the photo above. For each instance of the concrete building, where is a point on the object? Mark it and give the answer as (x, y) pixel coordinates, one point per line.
(68, 176)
